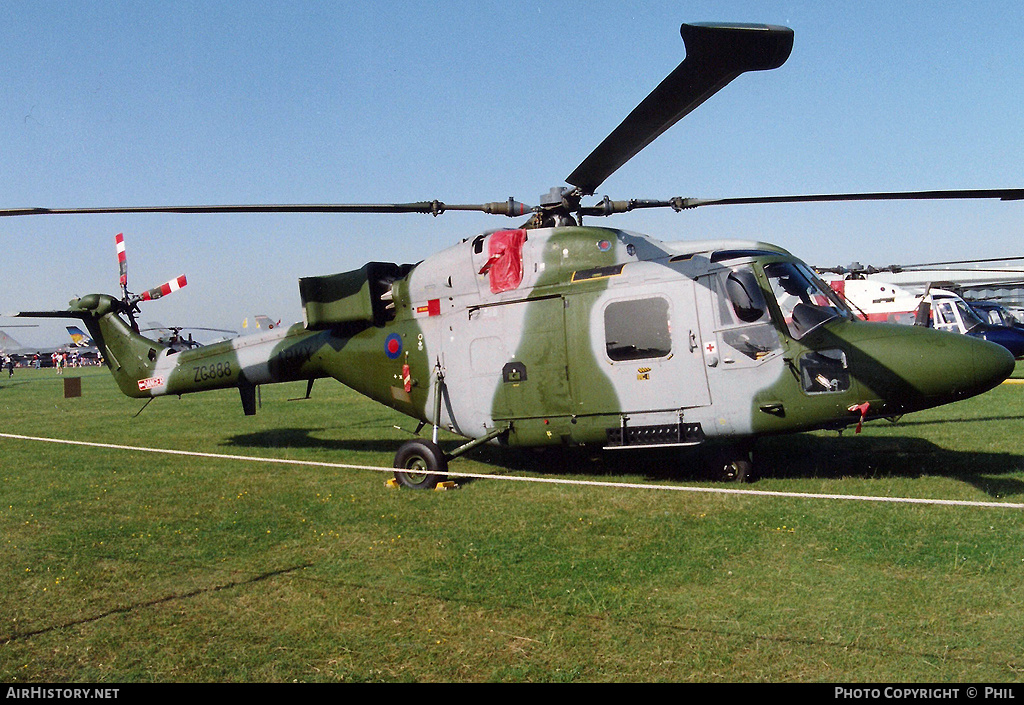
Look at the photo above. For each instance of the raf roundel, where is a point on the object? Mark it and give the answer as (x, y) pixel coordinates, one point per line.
(393, 346)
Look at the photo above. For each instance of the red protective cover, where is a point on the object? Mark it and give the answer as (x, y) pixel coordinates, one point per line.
(505, 259)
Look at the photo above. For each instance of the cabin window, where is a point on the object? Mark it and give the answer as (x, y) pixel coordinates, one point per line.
(946, 316)
(637, 329)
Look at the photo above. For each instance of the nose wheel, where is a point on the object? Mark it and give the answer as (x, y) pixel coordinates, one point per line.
(420, 465)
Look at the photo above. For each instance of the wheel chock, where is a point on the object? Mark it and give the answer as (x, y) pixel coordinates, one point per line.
(448, 485)
(392, 484)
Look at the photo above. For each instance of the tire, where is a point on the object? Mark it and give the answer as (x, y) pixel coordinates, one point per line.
(736, 470)
(424, 463)
(733, 465)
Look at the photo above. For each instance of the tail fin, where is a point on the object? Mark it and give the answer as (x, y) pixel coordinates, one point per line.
(8, 343)
(78, 338)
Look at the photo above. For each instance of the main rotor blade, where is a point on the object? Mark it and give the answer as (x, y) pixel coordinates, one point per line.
(986, 260)
(181, 328)
(1003, 194)
(510, 208)
(715, 55)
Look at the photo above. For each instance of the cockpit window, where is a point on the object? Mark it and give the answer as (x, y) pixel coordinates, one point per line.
(745, 326)
(944, 313)
(993, 316)
(805, 301)
(946, 309)
(971, 319)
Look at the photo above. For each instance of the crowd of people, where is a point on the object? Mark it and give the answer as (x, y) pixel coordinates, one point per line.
(58, 360)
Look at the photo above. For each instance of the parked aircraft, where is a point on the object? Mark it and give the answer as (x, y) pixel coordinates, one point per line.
(559, 333)
(876, 300)
(262, 323)
(996, 314)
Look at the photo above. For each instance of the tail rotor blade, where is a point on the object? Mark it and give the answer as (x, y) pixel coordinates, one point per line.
(164, 289)
(122, 262)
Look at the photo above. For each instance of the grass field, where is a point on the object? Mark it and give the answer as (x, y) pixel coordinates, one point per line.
(124, 566)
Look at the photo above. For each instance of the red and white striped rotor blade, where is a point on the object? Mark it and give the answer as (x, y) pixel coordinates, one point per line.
(168, 288)
(122, 260)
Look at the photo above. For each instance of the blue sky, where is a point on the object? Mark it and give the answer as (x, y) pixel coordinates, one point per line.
(109, 103)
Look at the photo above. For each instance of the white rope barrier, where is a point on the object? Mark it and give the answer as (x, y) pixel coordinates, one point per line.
(517, 478)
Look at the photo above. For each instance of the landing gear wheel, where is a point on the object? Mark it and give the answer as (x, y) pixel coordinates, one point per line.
(423, 465)
(734, 465)
(736, 470)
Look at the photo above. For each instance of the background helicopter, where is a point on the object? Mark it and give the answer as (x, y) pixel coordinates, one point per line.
(935, 295)
(172, 337)
(996, 314)
(552, 332)
(876, 299)
(1000, 280)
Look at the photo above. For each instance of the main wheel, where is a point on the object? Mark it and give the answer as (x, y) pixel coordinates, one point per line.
(733, 464)
(736, 470)
(423, 465)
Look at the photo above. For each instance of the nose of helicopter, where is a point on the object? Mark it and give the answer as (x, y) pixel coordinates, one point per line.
(992, 363)
(910, 367)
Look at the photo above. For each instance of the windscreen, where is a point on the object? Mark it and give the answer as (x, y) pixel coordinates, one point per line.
(805, 301)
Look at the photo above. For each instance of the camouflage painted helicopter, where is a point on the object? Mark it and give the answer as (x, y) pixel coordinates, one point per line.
(556, 333)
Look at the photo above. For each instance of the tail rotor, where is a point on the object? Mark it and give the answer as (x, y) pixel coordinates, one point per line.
(130, 301)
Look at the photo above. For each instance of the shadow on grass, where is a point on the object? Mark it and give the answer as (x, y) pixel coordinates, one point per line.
(798, 456)
(997, 474)
(802, 456)
(9, 382)
(304, 438)
(978, 419)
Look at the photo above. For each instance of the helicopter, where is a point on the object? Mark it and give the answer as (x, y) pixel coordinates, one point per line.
(999, 280)
(172, 337)
(560, 333)
(262, 322)
(876, 300)
(995, 314)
